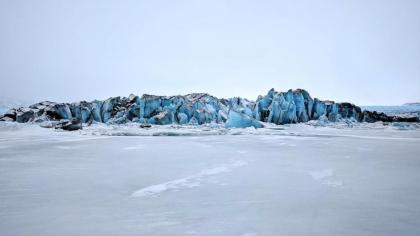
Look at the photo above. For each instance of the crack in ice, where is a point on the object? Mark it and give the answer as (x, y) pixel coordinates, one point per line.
(188, 182)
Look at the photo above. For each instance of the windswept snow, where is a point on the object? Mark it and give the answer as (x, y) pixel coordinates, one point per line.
(322, 174)
(188, 182)
(326, 177)
(136, 147)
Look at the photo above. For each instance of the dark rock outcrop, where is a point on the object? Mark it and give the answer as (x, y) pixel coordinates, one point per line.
(69, 125)
(25, 114)
(369, 116)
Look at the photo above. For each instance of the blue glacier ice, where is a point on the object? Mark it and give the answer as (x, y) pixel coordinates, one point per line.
(292, 106)
(241, 120)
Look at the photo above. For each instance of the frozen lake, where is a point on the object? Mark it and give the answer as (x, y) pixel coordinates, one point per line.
(300, 180)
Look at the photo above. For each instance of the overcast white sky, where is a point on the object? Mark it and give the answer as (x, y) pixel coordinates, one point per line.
(363, 51)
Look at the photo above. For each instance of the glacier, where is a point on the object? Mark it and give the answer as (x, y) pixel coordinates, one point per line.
(293, 106)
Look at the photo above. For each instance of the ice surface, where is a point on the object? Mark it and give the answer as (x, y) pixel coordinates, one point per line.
(336, 179)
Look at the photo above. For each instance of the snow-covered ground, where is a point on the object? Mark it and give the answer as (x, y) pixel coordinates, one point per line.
(306, 179)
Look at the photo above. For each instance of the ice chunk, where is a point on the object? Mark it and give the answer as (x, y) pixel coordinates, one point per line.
(182, 118)
(63, 111)
(162, 118)
(241, 120)
(24, 115)
(107, 108)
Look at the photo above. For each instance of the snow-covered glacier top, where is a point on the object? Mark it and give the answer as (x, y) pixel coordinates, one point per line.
(7, 103)
(408, 109)
(293, 106)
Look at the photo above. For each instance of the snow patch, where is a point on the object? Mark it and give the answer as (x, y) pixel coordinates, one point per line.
(333, 183)
(188, 182)
(63, 147)
(134, 147)
(249, 234)
(163, 223)
(191, 232)
(322, 174)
